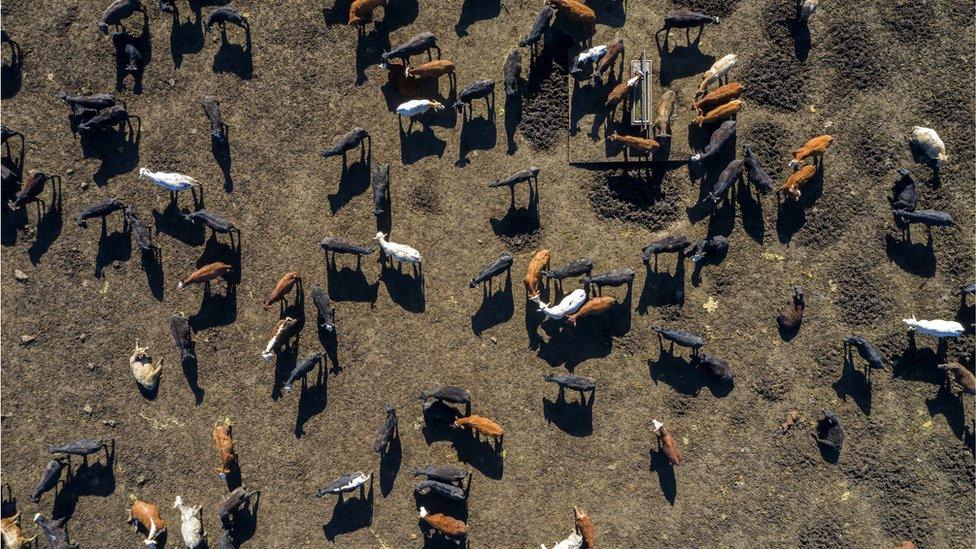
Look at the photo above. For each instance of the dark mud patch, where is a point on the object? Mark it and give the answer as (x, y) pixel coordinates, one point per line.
(776, 80)
(910, 21)
(823, 533)
(771, 143)
(960, 12)
(856, 58)
(861, 297)
(717, 8)
(425, 197)
(545, 109)
(775, 382)
(636, 199)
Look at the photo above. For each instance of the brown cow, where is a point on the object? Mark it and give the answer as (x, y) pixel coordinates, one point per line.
(619, 92)
(361, 11)
(798, 179)
(225, 449)
(722, 112)
(533, 274)
(639, 144)
(594, 306)
(13, 537)
(284, 285)
(666, 443)
(575, 11)
(958, 373)
(431, 69)
(205, 274)
(585, 528)
(614, 49)
(665, 112)
(147, 516)
(449, 526)
(481, 425)
(719, 96)
(814, 148)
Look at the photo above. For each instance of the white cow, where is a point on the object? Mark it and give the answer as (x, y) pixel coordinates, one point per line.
(171, 181)
(191, 527)
(569, 305)
(401, 253)
(935, 328)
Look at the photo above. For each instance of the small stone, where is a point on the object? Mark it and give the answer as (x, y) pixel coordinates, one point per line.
(21, 276)
(27, 339)
(117, 264)
(82, 337)
(69, 171)
(171, 82)
(494, 340)
(88, 409)
(413, 536)
(91, 366)
(84, 185)
(110, 422)
(611, 467)
(140, 480)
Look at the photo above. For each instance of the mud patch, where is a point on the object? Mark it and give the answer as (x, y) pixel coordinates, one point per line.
(823, 533)
(624, 197)
(856, 58)
(717, 8)
(774, 383)
(776, 80)
(861, 298)
(424, 197)
(546, 105)
(911, 21)
(960, 12)
(772, 145)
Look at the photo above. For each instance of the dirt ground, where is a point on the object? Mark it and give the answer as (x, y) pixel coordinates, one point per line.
(865, 72)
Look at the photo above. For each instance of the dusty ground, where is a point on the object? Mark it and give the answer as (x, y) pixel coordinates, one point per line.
(868, 73)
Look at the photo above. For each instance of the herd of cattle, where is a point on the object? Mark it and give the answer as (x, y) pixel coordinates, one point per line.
(94, 114)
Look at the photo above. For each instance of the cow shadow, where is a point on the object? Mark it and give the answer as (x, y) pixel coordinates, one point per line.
(912, 257)
(513, 116)
(683, 376)
(856, 384)
(950, 406)
(347, 284)
(791, 214)
(12, 73)
(369, 47)
(480, 453)
(920, 364)
(112, 247)
(574, 418)
(477, 134)
(751, 212)
(496, 307)
(405, 290)
(185, 37)
(118, 152)
(518, 221)
(313, 399)
(90, 478)
(234, 58)
(172, 221)
(50, 221)
(681, 61)
(353, 181)
(665, 475)
(215, 250)
(350, 514)
(473, 11)
(390, 461)
(570, 346)
(215, 309)
(586, 100)
(662, 288)
(611, 13)
(220, 150)
(417, 145)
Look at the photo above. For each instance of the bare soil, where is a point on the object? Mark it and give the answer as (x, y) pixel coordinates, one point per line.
(865, 72)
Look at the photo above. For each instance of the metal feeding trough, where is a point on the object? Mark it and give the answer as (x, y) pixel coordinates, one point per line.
(641, 96)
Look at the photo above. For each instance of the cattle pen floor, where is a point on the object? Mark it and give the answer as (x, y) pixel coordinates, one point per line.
(865, 72)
